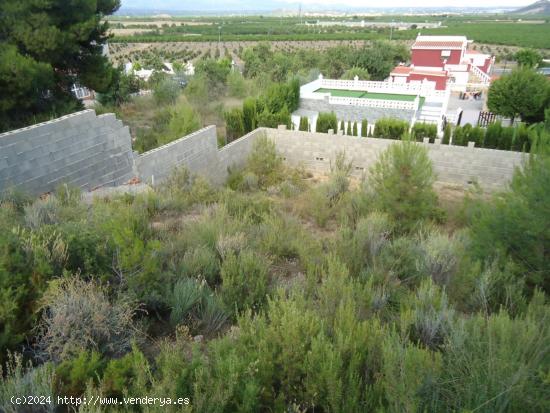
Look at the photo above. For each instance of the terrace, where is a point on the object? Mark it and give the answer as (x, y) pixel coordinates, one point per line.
(356, 100)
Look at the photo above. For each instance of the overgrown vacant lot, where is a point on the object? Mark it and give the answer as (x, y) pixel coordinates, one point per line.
(284, 292)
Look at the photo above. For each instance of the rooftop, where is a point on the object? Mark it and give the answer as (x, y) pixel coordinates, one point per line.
(440, 42)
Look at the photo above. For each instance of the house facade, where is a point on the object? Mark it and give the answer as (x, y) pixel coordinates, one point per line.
(447, 61)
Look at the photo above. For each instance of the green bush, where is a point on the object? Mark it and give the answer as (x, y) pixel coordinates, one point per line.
(388, 128)
(21, 380)
(326, 121)
(249, 115)
(493, 135)
(349, 129)
(78, 316)
(265, 162)
(234, 124)
(201, 262)
(364, 128)
(244, 281)
(166, 91)
(424, 130)
(511, 224)
(304, 124)
(72, 376)
(354, 129)
(402, 180)
(446, 135)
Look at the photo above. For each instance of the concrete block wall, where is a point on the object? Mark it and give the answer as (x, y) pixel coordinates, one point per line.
(90, 151)
(80, 149)
(492, 169)
(199, 153)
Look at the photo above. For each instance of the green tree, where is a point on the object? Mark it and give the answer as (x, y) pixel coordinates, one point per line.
(122, 86)
(402, 180)
(249, 114)
(528, 58)
(522, 93)
(516, 222)
(46, 47)
(364, 128)
(360, 72)
(234, 124)
(446, 134)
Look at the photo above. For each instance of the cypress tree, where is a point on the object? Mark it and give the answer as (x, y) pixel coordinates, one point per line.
(364, 128)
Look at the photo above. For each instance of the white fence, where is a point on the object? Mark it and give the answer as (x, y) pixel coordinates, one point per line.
(375, 103)
(379, 87)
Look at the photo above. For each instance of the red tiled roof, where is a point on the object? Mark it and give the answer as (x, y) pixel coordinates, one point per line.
(430, 73)
(401, 70)
(437, 45)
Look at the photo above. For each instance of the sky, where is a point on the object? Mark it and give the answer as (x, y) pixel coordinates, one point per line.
(329, 4)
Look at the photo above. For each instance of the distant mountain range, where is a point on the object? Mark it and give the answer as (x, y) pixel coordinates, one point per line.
(539, 8)
(209, 7)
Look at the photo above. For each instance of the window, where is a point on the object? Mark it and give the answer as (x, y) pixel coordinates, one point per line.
(445, 53)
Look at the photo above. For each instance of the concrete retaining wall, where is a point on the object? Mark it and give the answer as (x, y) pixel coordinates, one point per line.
(89, 151)
(199, 153)
(492, 169)
(80, 149)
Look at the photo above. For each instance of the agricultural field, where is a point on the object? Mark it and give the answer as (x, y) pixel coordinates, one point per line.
(492, 29)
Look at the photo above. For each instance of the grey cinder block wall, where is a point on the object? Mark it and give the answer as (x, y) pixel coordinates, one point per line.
(80, 149)
(90, 151)
(199, 153)
(492, 169)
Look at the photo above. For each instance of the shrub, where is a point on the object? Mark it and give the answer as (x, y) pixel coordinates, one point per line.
(201, 261)
(402, 180)
(477, 135)
(447, 135)
(510, 224)
(249, 115)
(364, 128)
(234, 124)
(491, 362)
(304, 124)
(389, 128)
(72, 376)
(460, 137)
(349, 129)
(439, 257)
(338, 183)
(493, 135)
(354, 129)
(244, 281)
(185, 297)
(236, 85)
(183, 120)
(166, 91)
(432, 316)
(126, 374)
(265, 162)
(20, 380)
(424, 130)
(326, 121)
(78, 316)
(42, 212)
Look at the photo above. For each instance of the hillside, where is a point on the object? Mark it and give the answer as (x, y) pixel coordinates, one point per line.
(541, 7)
